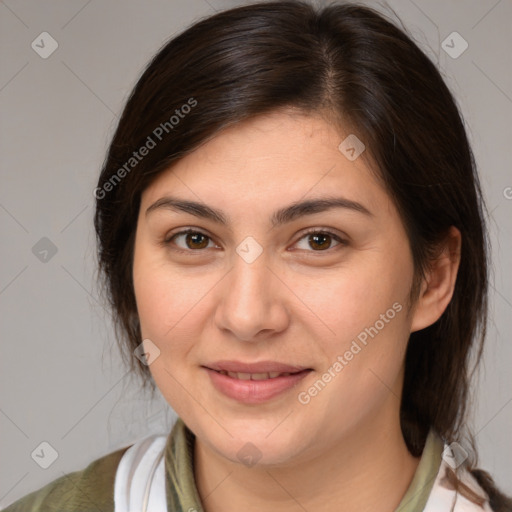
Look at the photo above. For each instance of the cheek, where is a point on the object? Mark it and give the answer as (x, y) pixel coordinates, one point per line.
(165, 304)
(362, 360)
(347, 300)
(173, 304)
(365, 308)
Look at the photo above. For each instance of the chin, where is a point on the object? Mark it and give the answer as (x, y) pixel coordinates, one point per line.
(255, 442)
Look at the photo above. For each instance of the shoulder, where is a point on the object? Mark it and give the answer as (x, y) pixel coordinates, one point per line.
(90, 489)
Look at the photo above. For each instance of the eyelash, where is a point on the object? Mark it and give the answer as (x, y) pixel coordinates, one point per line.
(168, 239)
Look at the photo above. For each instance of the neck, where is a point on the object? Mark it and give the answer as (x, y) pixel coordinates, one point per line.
(368, 469)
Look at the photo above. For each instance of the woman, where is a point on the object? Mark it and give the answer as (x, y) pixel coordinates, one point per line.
(291, 231)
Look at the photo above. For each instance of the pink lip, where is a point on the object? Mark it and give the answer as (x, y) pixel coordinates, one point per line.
(261, 367)
(254, 391)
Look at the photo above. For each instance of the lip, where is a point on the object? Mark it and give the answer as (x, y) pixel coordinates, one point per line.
(260, 367)
(254, 391)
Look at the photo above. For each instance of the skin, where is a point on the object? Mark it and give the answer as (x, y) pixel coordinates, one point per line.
(296, 303)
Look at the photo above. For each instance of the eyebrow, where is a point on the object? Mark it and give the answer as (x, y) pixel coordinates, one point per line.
(279, 217)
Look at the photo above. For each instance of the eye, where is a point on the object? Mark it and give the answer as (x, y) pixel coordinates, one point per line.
(321, 241)
(194, 240)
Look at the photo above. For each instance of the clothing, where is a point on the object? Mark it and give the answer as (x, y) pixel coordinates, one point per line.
(80, 491)
(93, 488)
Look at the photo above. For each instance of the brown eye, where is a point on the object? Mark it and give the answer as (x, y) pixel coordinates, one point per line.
(320, 241)
(194, 240)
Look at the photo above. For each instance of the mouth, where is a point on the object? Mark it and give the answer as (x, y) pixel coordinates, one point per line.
(255, 376)
(254, 387)
(261, 367)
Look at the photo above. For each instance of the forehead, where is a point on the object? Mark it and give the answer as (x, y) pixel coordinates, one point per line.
(267, 161)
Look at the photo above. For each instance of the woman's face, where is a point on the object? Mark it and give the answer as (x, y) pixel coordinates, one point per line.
(252, 285)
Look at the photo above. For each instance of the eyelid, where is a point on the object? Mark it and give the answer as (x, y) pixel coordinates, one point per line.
(328, 231)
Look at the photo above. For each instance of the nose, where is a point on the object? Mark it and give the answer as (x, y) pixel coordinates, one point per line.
(251, 301)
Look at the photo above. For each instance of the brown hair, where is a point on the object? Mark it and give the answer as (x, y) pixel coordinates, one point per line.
(352, 65)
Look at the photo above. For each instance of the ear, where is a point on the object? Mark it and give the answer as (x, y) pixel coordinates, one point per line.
(437, 287)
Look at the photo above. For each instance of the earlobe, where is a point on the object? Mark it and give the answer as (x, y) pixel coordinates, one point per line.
(438, 286)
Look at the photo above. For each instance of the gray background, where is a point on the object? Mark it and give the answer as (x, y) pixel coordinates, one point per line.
(60, 375)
